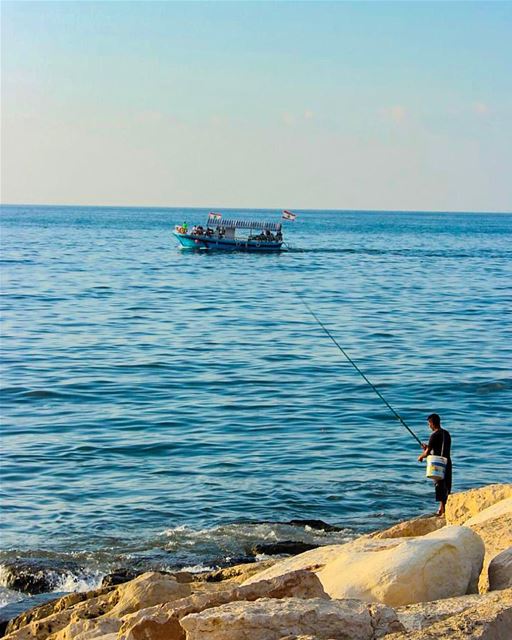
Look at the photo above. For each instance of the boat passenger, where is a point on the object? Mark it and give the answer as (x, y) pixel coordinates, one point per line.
(184, 226)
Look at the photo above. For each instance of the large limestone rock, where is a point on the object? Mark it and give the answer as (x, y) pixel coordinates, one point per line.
(412, 528)
(269, 619)
(463, 506)
(163, 622)
(489, 618)
(89, 629)
(421, 615)
(318, 558)
(441, 564)
(146, 590)
(500, 571)
(494, 526)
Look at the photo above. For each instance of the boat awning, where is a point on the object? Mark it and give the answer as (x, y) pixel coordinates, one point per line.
(247, 224)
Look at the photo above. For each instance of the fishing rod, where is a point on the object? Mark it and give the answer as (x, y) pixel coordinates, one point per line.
(397, 416)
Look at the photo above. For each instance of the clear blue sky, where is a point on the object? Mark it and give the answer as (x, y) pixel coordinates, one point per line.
(365, 105)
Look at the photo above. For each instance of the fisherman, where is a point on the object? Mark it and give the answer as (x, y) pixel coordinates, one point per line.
(439, 445)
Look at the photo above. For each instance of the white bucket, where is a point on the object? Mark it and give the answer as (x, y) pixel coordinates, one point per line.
(436, 467)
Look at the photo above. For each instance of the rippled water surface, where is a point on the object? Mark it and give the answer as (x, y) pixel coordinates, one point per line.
(160, 406)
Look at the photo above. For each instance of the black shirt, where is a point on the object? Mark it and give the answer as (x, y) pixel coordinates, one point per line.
(435, 444)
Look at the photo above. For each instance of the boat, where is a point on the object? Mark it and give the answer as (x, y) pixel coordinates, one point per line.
(231, 235)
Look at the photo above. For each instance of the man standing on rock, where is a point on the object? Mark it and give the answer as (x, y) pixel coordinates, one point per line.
(439, 445)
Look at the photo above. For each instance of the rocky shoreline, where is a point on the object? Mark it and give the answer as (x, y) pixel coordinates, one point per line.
(443, 578)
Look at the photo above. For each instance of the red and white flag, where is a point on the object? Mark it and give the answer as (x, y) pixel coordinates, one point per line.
(288, 215)
(214, 216)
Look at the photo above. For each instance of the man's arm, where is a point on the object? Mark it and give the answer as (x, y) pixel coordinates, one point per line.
(427, 448)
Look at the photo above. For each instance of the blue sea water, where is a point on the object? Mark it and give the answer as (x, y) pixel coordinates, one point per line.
(168, 408)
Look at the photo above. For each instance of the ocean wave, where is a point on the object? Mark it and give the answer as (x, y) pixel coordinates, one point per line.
(32, 576)
(241, 537)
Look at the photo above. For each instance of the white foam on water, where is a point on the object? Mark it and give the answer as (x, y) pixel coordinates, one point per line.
(253, 533)
(260, 557)
(197, 568)
(8, 596)
(71, 582)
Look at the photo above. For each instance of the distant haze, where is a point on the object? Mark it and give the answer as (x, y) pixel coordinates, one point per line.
(334, 105)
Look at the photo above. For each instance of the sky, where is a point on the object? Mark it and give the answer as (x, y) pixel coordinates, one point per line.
(306, 105)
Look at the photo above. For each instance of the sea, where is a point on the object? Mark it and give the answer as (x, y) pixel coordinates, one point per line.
(172, 409)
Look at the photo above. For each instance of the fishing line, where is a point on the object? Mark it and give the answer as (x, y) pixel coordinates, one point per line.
(397, 416)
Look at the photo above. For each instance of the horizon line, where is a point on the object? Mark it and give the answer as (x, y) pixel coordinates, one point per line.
(300, 209)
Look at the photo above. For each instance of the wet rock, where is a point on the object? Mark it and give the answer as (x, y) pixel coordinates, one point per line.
(33, 577)
(119, 576)
(271, 619)
(317, 525)
(286, 547)
(183, 577)
(238, 573)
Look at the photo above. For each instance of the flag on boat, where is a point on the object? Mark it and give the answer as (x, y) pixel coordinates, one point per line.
(288, 215)
(214, 216)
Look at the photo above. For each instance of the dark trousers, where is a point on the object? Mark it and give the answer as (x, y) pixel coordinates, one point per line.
(444, 487)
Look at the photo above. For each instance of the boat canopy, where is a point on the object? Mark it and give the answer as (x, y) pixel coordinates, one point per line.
(247, 224)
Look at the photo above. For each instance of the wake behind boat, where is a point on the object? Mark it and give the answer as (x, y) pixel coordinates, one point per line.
(231, 235)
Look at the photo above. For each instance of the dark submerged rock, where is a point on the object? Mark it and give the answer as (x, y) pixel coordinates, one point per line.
(119, 576)
(33, 577)
(288, 547)
(318, 525)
